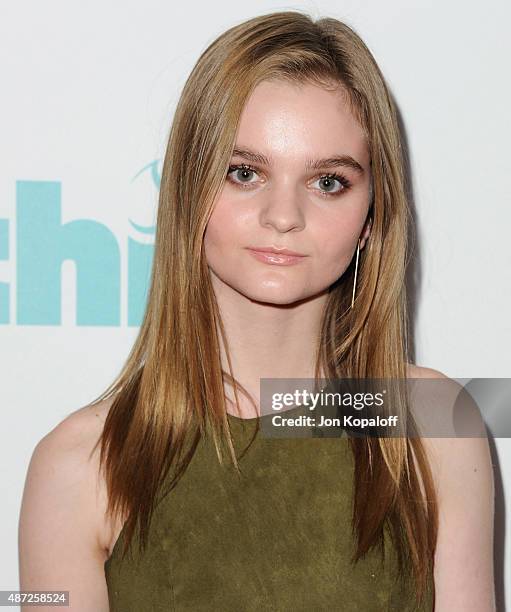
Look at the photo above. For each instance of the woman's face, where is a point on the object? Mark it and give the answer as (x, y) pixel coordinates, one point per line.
(279, 194)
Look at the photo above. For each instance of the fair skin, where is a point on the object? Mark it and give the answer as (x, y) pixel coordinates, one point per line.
(271, 314)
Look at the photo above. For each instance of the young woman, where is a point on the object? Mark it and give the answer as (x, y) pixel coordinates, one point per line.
(280, 253)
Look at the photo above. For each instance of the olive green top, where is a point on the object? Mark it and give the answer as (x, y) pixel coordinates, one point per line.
(277, 538)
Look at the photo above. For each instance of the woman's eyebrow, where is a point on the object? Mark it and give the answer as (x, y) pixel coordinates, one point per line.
(310, 164)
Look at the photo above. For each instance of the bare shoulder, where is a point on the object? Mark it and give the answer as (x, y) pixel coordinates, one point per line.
(415, 371)
(457, 438)
(462, 471)
(77, 432)
(62, 531)
(73, 443)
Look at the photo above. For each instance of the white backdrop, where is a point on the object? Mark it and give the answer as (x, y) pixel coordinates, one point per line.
(88, 92)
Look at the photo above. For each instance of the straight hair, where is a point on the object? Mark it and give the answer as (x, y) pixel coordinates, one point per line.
(170, 391)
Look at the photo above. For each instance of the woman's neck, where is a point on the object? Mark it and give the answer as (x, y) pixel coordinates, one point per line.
(267, 340)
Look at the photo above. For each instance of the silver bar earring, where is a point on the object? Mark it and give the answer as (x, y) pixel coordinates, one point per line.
(356, 271)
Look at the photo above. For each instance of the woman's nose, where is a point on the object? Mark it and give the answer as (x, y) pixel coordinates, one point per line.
(282, 209)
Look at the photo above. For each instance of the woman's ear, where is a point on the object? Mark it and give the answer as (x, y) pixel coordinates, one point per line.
(366, 232)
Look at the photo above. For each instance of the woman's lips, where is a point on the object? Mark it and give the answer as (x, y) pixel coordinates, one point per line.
(276, 259)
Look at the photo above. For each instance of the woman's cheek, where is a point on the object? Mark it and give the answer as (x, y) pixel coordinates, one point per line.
(336, 256)
(218, 229)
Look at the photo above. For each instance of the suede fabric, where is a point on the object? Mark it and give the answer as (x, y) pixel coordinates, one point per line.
(278, 538)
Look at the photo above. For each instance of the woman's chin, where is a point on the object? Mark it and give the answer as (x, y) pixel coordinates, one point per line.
(278, 296)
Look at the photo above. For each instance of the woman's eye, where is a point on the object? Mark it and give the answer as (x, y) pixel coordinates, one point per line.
(327, 184)
(241, 174)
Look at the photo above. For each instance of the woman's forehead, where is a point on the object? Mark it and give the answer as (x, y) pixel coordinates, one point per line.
(284, 120)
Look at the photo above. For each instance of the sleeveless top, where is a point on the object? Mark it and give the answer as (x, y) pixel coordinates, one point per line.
(277, 538)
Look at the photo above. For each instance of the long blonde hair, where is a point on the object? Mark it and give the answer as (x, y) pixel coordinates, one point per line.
(171, 388)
